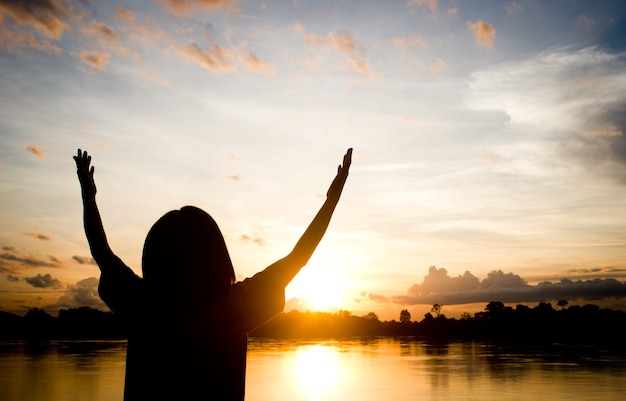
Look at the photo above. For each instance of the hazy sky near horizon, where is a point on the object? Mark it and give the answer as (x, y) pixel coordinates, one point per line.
(489, 143)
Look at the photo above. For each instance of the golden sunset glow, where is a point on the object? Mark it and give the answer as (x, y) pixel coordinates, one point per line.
(489, 146)
(317, 370)
(323, 288)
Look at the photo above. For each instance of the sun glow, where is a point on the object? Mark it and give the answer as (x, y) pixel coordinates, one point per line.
(317, 370)
(320, 287)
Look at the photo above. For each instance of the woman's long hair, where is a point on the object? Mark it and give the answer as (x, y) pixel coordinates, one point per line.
(185, 258)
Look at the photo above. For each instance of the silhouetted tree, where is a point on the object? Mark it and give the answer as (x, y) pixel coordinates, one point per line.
(344, 313)
(372, 316)
(405, 316)
(494, 308)
(436, 309)
(562, 304)
(37, 315)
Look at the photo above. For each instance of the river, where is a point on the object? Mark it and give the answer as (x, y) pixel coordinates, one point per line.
(377, 369)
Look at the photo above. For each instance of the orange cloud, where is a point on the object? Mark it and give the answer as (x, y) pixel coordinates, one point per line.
(46, 16)
(256, 240)
(84, 260)
(110, 40)
(12, 262)
(126, 15)
(145, 33)
(182, 7)
(298, 27)
(438, 67)
(39, 236)
(251, 62)
(100, 28)
(217, 59)
(604, 133)
(35, 150)
(16, 41)
(95, 59)
(158, 79)
(409, 41)
(431, 4)
(359, 65)
(490, 157)
(484, 33)
(342, 42)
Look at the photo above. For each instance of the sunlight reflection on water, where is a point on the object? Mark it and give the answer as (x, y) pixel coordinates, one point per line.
(316, 369)
(373, 369)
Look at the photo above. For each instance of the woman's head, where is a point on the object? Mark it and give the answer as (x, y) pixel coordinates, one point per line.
(185, 256)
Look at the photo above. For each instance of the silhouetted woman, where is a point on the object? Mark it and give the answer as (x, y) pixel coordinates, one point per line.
(187, 318)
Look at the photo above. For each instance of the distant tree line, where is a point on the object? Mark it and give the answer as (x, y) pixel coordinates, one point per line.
(584, 324)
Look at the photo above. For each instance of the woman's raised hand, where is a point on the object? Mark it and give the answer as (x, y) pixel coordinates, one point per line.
(334, 192)
(85, 172)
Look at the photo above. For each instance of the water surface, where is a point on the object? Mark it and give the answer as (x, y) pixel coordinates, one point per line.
(375, 369)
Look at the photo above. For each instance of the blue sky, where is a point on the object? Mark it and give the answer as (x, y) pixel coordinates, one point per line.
(488, 137)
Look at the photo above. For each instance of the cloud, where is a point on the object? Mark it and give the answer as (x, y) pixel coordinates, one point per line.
(45, 16)
(102, 29)
(256, 240)
(126, 15)
(95, 59)
(604, 133)
(148, 32)
(216, 59)
(491, 157)
(84, 260)
(13, 278)
(405, 42)
(158, 78)
(359, 64)
(15, 42)
(184, 7)
(45, 281)
(586, 21)
(83, 293)
(438, 67)
(577, 92)
(484, 33)
(439, 287)
(431, 4)
(341, 42)
(513, 7)
(35, 150)
(38, 236)
(108, 39)
(253, 63)
(28, 261)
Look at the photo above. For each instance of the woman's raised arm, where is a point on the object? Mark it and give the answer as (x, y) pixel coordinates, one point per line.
(285, 269)
(100, 250)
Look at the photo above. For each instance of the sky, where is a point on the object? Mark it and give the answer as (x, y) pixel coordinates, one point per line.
(489, 145)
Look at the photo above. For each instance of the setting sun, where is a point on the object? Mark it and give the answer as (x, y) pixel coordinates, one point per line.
(320, 287)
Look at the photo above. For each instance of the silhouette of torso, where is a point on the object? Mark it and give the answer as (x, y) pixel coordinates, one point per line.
(192, 353)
